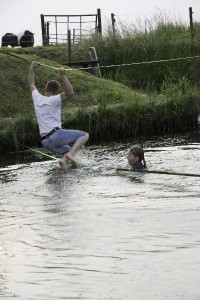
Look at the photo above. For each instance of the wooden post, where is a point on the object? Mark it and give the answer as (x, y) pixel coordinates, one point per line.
(47, 33)
(113, 22)
(43, 30)
(74, 35)
(80, 28)
(56, 24)
(191, 22)
(69, 48)
(99, 26)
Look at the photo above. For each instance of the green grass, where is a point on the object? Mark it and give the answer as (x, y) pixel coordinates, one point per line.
(128, 101)
(153, 42)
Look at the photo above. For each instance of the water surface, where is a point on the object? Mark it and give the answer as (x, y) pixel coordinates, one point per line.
(93, 233)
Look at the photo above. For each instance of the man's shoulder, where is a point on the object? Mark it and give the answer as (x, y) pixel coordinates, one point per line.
(35, 93)
(37, 97)
(40, 99)
(55, 99)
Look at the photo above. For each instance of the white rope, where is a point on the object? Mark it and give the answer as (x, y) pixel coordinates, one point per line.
(45, 154)
(140, 63)
(41, 64)
(110, 66)
(40, 152)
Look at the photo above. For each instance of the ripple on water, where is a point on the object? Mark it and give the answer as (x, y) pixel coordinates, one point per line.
(94, 234)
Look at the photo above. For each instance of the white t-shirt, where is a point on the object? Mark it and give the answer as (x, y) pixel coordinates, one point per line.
(47, 110)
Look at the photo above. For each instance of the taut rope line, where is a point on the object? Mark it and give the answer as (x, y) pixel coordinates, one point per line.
(26, 59)
(40, 152)
(111, 66)
(32, 149)
(159, 172)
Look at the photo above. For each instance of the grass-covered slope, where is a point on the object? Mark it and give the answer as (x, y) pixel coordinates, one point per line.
(89, 90)
(17, 117)
(106, 109)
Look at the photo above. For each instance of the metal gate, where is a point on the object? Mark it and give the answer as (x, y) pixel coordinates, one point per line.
(55, 28)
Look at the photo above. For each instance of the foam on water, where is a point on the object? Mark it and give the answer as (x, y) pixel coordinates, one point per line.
(91, 233)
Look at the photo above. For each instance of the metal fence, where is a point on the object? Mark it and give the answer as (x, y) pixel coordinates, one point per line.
(55, 28)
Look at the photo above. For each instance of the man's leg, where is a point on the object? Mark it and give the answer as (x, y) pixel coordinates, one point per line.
(70, 155)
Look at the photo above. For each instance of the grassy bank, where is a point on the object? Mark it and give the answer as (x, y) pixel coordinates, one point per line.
(166, 102)
(18, 125)
(154, 40)
(132, 47)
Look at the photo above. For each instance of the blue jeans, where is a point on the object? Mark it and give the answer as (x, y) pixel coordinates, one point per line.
(60, 140)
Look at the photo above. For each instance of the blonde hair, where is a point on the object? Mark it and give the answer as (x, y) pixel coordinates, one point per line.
(139, 152)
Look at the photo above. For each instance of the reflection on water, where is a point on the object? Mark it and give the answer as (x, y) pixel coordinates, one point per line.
(93, 233)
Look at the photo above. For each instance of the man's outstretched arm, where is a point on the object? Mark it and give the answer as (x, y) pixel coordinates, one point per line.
(69, 91)
(31, 77)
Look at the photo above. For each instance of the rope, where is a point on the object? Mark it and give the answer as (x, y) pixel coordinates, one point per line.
(110, 66)
(140, 63)
(26, 59)
(32, 149)
(37, 151)
(160, 172)
(17, 56)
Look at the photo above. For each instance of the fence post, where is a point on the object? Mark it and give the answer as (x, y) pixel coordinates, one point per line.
(99, 26)
(113, 22)
(47, 33)
(43, 30)
(69, 48)
(191, 22)
(74, 35)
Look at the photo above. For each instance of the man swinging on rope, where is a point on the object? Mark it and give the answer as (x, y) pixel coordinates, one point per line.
(48, 113)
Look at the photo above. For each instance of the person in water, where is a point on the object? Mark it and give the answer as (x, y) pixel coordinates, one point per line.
(136, 158)
(48, 113)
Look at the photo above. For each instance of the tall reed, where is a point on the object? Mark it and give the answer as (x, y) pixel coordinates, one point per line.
(162, 39)
(18, 134)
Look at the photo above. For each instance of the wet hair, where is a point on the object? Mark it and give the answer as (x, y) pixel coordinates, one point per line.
(139, 152)
(53, 87)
